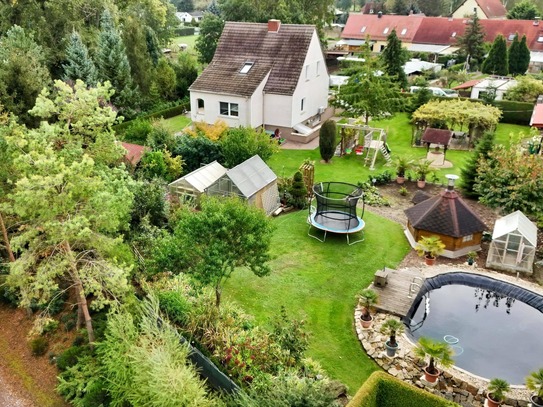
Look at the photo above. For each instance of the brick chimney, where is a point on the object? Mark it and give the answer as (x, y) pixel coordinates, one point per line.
(273, 26)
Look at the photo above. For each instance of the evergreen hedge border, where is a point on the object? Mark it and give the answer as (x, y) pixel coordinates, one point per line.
(381, 389)
(164, 114)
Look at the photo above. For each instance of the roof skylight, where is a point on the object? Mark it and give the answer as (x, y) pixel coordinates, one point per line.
(404, 31)
(247, 67)
(363, 29)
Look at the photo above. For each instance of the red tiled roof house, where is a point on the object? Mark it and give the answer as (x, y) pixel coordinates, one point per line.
(271, 75)
(486, 9)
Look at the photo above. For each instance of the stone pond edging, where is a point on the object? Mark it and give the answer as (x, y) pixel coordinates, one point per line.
(454, 384)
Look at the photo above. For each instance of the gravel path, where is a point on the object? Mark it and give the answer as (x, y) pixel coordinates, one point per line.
(11, 396)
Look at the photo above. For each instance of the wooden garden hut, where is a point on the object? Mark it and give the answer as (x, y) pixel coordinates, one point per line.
(514, 242)
(437, 138)
(448, 217)
(252, 180)
(194, 184)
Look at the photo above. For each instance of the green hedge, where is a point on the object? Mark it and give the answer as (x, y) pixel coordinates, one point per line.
(183, 31)
(165, 114)
(515, 112)
(381, 389)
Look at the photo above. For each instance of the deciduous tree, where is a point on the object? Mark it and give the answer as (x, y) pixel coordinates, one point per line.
(242, 143)
(527, 89)
(210, 31)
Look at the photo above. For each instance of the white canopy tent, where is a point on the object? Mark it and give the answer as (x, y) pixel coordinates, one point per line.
(514, 241)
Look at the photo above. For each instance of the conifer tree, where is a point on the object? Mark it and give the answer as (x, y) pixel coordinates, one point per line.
(496, 62)
(78, 63)
(327, 140)
(399, 7)
(298, 191)
(472, 42)
(112, 63)
(513, 56)
(524, 56)
(469, 171)
(394, 57)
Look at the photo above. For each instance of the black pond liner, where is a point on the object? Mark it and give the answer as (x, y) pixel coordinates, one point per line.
(528, 297)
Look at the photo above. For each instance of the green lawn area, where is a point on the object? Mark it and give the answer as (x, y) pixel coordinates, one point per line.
(319, 281)
(188, 39)
(176, 123)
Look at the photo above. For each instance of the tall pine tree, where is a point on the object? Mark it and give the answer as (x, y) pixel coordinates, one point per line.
(78, 63)
(513, 56)
(524, 56)
(394, 57)
(496, 61)
(112, 63)
(472, 42)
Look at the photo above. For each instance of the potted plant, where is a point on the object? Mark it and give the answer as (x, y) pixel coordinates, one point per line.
(367, 298)
(437, 352)
(496, 392)
(422, 169)
(472, 255)
(534, 382)
(430, 247)
(392, 327)
(402, 165)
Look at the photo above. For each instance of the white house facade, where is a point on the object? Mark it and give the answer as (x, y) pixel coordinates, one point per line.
(264, 75)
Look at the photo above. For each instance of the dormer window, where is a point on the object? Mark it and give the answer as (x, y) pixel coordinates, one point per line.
(363, 29)
(404, 31)
(453, 34)
(385, 31)
(246, 67)
(511, 37)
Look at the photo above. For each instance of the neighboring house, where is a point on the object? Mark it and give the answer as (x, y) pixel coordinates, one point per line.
(499, 85)
(439, 35)
(265, 75)
(486, 9)
(188, 17)
(251, 180)
(448, 217)
(193, 185)
(373, 7)
(418, 67)
(514, 243)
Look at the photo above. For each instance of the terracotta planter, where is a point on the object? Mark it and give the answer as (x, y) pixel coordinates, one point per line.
(430, 377)
(400, 180)
(490, 402)
(421, 184)
(430, 261)
(366, 324)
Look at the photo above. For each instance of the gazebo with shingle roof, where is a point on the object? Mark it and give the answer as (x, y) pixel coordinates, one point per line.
(450, 218)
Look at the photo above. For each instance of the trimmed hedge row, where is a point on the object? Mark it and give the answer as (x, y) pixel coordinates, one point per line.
(183, 31)
(381, 389)
(165, 114)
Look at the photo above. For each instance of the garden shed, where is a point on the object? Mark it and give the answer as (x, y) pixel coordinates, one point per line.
(514, 242)
(194, 184)
(448, 217)
(252, 180)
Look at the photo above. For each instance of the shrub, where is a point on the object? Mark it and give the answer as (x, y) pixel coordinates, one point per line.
(242, 143)
(175, 306)
(327, 140)
(69, 357)
(183, 31)
(381, 179)
(298, 191)
(138, 131)
(196, 151)
(372, 196)
(38, 346)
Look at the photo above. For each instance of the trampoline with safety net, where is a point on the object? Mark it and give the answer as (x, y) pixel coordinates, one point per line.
(336, 210)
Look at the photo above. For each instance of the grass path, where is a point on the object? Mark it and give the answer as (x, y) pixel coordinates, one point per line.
(318, 282)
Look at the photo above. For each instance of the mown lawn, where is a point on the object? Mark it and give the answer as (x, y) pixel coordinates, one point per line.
(318, 283)
(176, 123)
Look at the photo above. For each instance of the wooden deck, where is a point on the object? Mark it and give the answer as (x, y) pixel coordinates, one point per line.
(394, 297)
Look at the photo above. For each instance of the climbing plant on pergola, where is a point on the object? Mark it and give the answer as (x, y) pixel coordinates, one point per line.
(457, 114)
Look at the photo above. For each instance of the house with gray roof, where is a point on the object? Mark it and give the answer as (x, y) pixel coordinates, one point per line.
(268, 75)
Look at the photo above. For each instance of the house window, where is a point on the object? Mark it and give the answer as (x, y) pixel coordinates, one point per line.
(540, 38)
(385, 31)
(318, 67)
(363, 29)
(200, 105)
(307, 72)
(453, 34)
(404, 31)
(467, 238)
(302, 105)
(246, 67)
(228, 109)
(381, 48)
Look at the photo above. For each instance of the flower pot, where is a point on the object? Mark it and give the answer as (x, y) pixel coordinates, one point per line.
(400, 180)
(421, 184)
(430, 377)
(471, 261)
(490, 402)
(430, 261)
(536, 402)
(366, 324)
(391, 350)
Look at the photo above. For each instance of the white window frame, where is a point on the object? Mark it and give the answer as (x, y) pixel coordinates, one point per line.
(307, 72)
(467, 238)
(200, 109)
(246, 67)
(404, 31)
(302, 105)
(231, 109)
(385, 31)
(318, 68)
